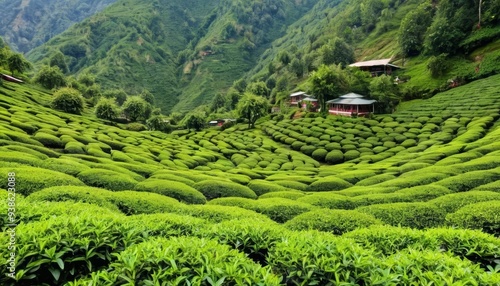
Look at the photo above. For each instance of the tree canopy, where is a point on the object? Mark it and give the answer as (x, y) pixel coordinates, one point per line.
(328, 82)
(252, 107)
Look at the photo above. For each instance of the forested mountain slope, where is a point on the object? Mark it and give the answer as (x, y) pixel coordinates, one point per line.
(183, 51)
(27, 24)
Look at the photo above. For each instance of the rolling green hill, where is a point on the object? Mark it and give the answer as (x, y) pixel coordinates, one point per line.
(279, 204)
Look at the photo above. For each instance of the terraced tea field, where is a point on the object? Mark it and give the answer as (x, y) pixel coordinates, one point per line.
(411, 198)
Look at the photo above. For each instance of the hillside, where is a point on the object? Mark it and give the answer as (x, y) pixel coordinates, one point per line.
(187, 52)
(184, 52)
(26, 24)
(412, 192)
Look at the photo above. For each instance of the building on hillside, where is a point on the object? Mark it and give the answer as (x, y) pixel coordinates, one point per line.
(301, 99)
(350, 104)
(11, 78)
(376, 67)
(220, 122)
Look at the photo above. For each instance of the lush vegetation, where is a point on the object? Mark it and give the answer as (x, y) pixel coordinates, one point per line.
(276, 204)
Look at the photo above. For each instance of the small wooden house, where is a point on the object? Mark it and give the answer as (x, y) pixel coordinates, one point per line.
(376, 67)
(351, 103)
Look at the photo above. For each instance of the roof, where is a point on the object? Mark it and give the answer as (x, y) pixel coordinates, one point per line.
(351, 95)
(298, 93)
(383, 62)
(352, 101)
(11, 78)
(309, 99)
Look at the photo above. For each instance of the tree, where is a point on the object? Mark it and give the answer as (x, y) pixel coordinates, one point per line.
(326, 83)
(50, 77)
(68, 100)
(252, 107)
(412, 30)
(258, 88)
(195, 121)
(217, 102)
(106, 109)
(240, 85)
(175, 118)
(384, 90)
(135, 108)
(158, 123)
(148, 97)
(337, 52)
(284, 57)
(297, 67)
(16, 62)
(58, 60)
(437, 65)
(119, 95)
(232, 98)
(86, 79)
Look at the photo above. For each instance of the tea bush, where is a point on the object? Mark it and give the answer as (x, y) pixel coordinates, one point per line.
(329, 200)
(64, 165)
(484, 216)
(452, 202)
(48, 140)
(31, 179)
(183, 260)
(261, 187)
(73, 147)
(107, 179)
(292, 195)
(334, 221)
(21, 158)
(330, 183)
(212, 189)
(415, 215)
(176, 190)
(469, 180)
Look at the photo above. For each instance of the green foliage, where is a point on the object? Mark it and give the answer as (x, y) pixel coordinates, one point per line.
(330, 183)
(334, 221)
(50, 77)
(58, 60)
(437, 65)
(107, 179)
(252, 107)
(415, 215)
(195, 121)
(452, 202)
(384, 90)
(48, 140)
(159, 123)
(261, 187)
(337, 52)
(106, 109)
(326, 83)
(185, 260)
(412, 29)
(30, 179)
(135, 108)
(68, 100)
(212, 189)
(17, 63)
(484, 216)
(176, 190)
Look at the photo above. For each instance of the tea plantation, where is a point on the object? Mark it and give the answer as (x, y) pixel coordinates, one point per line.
(411, 198)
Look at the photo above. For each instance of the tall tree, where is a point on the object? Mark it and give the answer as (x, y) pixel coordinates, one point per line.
(252, 107)
(16, 62)
(384, 90)
(58, 60)
(328, 82)
(50, 77)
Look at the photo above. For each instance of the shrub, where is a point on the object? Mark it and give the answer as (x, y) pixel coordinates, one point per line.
(184, 260)
(280, 210)
(82, 194)
(329, 200)
(106, 109)
(452, 202)
(136, 127)
(334, 221)
(375, 179)
(329, 183)
(415, 215)
(291, 195)
(292, 185)
(63, 165)
(423, 193)
(73, 147)
(218, 213)
(21, 158)
(319, 154)
(437, 65)
(469, 180)
(176, 190)
(261, 187)
(213, 189)
(48, 140)
(351, 155)
(31, 179)
(135, 108)
(484, 216)
(107, 179)
(68, 100)
(334, 157)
